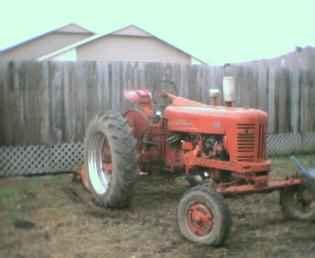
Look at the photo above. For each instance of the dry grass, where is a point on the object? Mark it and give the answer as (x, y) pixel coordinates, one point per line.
(54, 217)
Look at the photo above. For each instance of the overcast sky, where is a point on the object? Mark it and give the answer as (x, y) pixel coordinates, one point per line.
(215, 31)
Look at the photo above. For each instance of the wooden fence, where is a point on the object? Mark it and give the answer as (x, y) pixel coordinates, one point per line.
(52, 102)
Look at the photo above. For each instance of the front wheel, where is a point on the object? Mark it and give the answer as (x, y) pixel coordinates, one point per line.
(298, 203)
(203, 217)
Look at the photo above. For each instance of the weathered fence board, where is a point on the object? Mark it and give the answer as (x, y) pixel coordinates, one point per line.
(50, 103)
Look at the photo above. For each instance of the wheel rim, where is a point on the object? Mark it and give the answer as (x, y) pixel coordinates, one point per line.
(304, 201)
(200, 219)
(99, 163)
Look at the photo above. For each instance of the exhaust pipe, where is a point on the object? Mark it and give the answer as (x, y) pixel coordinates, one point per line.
(307, 174)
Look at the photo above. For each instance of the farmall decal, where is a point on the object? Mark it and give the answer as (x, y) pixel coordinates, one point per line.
(183, 123)
(216, 124)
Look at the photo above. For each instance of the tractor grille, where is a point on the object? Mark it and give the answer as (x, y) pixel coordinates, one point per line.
(246, 142)
(261, 150)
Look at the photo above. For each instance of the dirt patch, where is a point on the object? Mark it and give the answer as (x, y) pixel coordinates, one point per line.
(54, 217)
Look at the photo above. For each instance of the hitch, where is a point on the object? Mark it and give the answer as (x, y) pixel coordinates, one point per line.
(308, 174)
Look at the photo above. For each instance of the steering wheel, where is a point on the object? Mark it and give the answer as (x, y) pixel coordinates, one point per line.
(160, 100)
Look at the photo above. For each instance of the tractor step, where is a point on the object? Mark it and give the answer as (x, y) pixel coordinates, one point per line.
(252, 188)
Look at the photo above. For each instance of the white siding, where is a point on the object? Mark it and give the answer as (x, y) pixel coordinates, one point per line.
(132, 49)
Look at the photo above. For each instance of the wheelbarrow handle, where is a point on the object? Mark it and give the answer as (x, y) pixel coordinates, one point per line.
(307, 174)
(298, 165)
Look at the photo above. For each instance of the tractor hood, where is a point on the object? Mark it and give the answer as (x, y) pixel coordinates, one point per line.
(210, 119)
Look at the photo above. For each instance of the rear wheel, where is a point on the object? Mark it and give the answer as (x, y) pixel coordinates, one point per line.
(298, 203)
(203, 217)
(110, 160)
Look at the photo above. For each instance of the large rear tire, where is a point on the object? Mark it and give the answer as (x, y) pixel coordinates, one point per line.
(203, 217)
(110, 160)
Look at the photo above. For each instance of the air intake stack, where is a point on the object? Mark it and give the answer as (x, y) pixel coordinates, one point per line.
(228, 90)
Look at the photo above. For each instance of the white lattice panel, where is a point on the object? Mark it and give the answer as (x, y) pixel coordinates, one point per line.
(308, 141)
(40, 159)
(283, 143)
(27, 160)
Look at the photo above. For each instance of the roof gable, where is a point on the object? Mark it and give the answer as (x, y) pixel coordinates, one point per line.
(69, 28)
(72, 28)
(132, 30)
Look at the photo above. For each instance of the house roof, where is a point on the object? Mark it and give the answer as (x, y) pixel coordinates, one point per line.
(68, 28)
(130, 30)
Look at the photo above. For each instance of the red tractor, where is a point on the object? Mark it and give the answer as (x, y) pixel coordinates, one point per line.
(221, 150)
